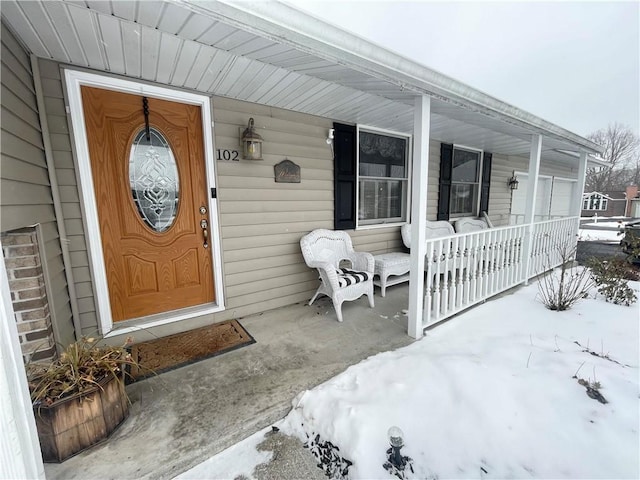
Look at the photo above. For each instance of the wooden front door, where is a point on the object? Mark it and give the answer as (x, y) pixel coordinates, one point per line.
(151, 193)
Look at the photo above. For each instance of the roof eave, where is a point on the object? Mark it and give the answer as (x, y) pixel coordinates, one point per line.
(284, 23)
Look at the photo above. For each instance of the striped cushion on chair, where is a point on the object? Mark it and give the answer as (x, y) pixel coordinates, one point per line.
(349, 277)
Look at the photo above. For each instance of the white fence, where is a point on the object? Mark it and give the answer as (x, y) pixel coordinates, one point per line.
(465, 269)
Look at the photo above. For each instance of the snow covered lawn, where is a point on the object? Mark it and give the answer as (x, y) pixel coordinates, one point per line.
(586, 235)
(493, 393)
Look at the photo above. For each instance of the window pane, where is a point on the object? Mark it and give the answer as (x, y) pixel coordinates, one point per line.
(153, 176)
(465, 166)
(463, 198)
(382, 155)
(367, 200)
(381, 199)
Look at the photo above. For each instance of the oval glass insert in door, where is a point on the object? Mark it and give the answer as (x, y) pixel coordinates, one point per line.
(153, 176)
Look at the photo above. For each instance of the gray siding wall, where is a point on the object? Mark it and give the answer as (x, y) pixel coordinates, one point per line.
(549, 168)
(54, 105)
(261, 221)
(500, 194)
(25, 197)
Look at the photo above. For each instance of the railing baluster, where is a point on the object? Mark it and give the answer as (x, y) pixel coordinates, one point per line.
(464, 269)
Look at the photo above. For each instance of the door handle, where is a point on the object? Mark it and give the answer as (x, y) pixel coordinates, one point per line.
(205, 233)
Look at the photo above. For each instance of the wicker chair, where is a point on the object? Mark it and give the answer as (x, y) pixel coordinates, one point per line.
(433, 229)
(326, 250)
(468, 225)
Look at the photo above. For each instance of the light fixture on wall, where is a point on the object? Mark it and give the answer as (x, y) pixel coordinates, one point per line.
(330, 135)
(513, 182)
(251, 143)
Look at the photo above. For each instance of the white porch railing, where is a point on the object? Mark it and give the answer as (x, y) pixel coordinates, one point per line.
(551, 240)
(465, 269)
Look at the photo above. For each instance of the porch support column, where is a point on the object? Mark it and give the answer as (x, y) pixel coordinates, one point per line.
(576, 202)
(532, 192)
(419, 181)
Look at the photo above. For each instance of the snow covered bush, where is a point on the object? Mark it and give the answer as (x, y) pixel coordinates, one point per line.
(611, 277)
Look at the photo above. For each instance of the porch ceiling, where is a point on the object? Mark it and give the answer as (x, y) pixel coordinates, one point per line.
(215, 48)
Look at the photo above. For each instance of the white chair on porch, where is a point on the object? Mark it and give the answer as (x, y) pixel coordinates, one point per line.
(328, 250)
(468, 225)
(433, 229)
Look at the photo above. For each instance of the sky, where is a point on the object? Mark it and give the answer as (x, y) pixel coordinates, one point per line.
(576, 64)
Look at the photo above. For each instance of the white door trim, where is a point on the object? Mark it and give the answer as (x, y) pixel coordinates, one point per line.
(74, 80)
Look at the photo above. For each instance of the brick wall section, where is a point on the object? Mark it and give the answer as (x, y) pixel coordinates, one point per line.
(28, 294)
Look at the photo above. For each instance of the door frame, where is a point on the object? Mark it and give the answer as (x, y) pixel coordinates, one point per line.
(75, 79)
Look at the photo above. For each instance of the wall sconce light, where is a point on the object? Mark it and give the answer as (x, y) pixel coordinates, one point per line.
(330, 135)
(251, 143)
(513, 182)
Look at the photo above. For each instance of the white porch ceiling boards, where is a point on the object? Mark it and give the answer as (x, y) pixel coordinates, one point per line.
(184, 45)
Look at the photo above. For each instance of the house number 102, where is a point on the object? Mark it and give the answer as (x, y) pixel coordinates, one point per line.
(224, 154)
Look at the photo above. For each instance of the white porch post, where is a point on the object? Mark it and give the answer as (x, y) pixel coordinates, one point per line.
(419, 181)
(532, 191)
(576, 202)
(20, 455)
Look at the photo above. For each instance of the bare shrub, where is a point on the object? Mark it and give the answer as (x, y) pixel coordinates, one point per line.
(560, 289)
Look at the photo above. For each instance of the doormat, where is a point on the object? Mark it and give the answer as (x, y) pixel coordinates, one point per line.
(183, 349)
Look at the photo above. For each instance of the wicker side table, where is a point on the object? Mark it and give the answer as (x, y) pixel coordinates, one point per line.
(395, 265)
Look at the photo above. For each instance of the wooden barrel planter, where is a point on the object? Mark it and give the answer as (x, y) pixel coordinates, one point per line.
(74, 423)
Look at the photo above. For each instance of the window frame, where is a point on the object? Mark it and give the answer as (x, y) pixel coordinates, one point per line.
(378, 223)
(478, 182)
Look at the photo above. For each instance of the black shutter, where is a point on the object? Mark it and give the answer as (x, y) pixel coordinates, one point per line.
(486, 179)
(444, 190)
(344, 176)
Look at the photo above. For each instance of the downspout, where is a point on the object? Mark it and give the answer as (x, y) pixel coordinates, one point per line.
(532, 191)
(55, 193)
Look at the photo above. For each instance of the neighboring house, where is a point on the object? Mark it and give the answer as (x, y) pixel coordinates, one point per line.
(609, 203)
(127, 205)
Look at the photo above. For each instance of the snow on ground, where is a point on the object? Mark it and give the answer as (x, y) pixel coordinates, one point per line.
(586, 235)
(238, 460)
(608, 224)
(490, 394)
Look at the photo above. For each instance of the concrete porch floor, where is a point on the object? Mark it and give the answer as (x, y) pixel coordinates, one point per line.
(180, 418)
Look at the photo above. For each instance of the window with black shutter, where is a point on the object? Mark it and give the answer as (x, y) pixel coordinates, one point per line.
(465, 176)
(371, 166)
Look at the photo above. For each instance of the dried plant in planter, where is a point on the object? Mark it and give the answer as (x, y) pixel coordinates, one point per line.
(81, 367)
(78, 399)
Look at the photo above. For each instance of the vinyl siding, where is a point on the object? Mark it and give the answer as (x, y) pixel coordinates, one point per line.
(499, 192)
(54, 106)
(551, 169)
(25, 197)
(261, 221)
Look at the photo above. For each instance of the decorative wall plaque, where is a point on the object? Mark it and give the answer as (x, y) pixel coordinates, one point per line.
(287, 172)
